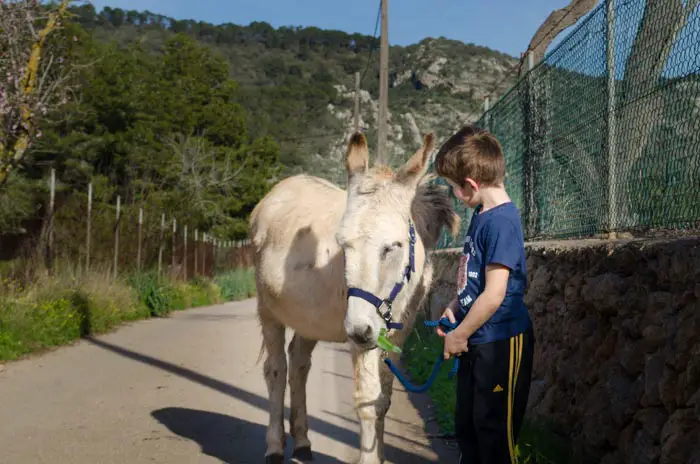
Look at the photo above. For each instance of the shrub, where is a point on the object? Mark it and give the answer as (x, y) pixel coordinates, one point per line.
(237, 285)
(55, 311)
(156, 293)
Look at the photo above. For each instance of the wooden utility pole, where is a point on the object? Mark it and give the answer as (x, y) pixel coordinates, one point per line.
(138, 249)
(184, 255)
(160, 246)
(382, 155)
(196, 250)
(172, 255)
(204, 254)
(89, 229)
(357, 102)
(116, 239)
(487, 106)
(52, 212)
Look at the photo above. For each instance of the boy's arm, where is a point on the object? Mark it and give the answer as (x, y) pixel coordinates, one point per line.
(484, 307)
(487, 303)
(500, 256)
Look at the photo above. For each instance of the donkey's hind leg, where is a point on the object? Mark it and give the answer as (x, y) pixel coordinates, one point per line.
(300, 350)
(275, 371)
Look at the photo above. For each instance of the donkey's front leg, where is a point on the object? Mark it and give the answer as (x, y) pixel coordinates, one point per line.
(371, 404)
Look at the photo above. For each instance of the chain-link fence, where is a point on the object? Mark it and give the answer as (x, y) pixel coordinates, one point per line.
(603, 135)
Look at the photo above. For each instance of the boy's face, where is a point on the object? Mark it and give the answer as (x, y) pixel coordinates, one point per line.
(469, 194)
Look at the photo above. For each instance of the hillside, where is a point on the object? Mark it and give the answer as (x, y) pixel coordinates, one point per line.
(297, 84)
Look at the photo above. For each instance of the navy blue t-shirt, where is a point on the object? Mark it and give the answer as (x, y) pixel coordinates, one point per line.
(494, 237)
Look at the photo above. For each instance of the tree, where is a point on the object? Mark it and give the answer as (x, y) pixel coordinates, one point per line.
(556, 22)
(164, 129)
(34, 83)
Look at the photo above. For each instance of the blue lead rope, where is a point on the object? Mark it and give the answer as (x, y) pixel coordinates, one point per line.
(447, 327)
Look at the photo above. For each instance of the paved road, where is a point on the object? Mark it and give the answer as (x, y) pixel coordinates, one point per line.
(184, 389)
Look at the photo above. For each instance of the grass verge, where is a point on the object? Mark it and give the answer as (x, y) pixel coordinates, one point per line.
(237, 285)
(538, 442)
(56, 311)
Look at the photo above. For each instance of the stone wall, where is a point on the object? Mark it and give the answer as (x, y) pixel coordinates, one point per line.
(617, 326)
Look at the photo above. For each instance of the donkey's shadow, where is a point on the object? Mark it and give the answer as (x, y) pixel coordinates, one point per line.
(229, 439)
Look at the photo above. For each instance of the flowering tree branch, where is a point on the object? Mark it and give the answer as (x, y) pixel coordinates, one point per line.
(32, 79)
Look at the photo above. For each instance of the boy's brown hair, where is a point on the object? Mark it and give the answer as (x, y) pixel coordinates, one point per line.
(472, 152)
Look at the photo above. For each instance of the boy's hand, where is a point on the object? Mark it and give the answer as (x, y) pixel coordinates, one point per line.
(456, 343)
(449, 315)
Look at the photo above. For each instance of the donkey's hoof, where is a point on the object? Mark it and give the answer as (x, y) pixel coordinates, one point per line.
(303, 454)
(274, 459)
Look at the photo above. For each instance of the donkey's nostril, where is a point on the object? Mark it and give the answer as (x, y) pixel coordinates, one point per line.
(361, 335)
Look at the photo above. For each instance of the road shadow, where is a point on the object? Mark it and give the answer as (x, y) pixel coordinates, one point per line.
(229, 439)
(200, 316)
(320, 426)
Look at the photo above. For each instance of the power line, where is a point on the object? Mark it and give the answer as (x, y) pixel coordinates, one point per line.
(374, 36)
(309, 137)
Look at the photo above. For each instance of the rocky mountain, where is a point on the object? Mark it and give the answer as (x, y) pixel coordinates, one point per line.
(436, 85)
(297, 84)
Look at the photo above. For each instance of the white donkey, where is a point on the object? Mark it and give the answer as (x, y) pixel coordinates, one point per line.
(333, 265)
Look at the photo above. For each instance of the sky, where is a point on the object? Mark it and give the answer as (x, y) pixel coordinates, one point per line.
(503, 25)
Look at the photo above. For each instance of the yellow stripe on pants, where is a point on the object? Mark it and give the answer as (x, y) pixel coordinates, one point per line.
(510, 400)
(516, 351)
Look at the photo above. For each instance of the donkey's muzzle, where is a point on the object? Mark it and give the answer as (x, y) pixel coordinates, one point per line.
(361, 335)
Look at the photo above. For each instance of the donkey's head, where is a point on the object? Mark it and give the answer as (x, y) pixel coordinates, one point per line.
(383, 239)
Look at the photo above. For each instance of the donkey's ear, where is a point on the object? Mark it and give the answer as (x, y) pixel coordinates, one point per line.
(411, 172)
(357, 156)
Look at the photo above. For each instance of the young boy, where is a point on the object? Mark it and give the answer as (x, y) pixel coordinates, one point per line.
(494, 336)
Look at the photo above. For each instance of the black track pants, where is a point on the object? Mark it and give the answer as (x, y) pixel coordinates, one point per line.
(492, 392)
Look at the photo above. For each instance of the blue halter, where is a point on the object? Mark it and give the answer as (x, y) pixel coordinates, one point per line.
(379, 303)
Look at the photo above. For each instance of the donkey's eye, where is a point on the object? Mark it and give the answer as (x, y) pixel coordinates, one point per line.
(387, 249)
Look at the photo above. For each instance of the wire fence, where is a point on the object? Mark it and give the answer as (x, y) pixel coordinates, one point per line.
(87, 232)
(603, 135)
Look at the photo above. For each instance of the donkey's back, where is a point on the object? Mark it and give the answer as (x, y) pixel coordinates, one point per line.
(299, 266)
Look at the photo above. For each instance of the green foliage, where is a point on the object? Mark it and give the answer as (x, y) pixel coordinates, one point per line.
(54, 312)
(25, 326)
(420, 351)
(161, 295)
(155, 292)
(237, 285)
(18, 203)
(200, 292)
(166, 129)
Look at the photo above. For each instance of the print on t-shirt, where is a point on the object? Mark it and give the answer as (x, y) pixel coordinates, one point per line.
(462, 275)
(465, 299)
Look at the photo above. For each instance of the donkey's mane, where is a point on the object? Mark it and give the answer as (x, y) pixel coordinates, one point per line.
(433, 209)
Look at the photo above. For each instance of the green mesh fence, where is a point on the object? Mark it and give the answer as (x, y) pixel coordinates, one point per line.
(604, 134)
